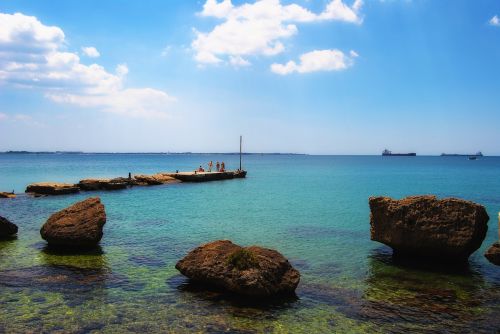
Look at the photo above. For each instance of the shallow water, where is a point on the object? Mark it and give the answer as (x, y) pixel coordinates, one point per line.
(313, 209)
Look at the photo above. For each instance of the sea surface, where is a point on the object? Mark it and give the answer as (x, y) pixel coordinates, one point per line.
(313, 209)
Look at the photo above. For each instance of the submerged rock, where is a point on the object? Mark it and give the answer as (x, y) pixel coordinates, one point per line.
(493, 253)
(7, 195)
(52, 188)
(252, 271)
(7, 228)
(79, 225)
(448, 229)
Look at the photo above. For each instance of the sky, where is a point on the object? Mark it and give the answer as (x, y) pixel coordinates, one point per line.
(299, 76)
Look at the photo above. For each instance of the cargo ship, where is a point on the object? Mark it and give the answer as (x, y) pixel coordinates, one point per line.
(389, 153)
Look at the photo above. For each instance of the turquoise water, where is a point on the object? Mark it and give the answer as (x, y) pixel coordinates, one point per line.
(313, 209)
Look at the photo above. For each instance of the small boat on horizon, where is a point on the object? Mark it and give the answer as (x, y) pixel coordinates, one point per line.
(386, 152)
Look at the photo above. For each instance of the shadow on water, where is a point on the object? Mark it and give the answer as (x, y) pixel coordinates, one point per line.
(408, 294)
(217, 300)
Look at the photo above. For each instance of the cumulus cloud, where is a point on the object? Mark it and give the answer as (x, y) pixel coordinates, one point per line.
(495, 21)
(259, 28)
(32, 56)
(91, 52)
(317, 60)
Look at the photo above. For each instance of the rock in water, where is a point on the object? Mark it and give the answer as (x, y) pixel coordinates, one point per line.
(79, 225)
(7, 228)
(493, 253)
(252, 271)
(52, 188)
(448, 229)
(7, 195)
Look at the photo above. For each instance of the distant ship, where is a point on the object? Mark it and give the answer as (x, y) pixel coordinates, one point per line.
(478, 154)
(389, 153)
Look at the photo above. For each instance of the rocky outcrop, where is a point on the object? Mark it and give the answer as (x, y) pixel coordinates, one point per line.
(156, 179)
(448, 229)
(52, 188)
(493, 253)
(7, 228)
(252, 271)
(79, 225)
(104, 184)
(7, 195)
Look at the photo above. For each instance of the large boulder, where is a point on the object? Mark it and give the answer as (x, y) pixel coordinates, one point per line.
(448, 229)
(79, 225)
(7, 228)
(252, 271)
(493, 253)
(52, 188)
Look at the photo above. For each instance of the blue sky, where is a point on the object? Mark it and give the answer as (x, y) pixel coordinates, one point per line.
(309, 76)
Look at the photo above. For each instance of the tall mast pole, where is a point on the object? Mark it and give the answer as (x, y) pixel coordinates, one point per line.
(240, 151)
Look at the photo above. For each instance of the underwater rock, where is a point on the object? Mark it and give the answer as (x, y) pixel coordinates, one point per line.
(52, 188)
(7, 228)
(422, 226)
(7, 195)
(79, 225)
(252, 271)
(493, 253)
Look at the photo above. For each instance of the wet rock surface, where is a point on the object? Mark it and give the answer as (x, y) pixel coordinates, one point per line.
(493, 253)
(251, 271)
(79, 225)
(423, 226)
(52, 188)
(7, 229)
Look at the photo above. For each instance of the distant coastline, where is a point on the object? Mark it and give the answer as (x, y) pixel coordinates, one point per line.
(159, 153)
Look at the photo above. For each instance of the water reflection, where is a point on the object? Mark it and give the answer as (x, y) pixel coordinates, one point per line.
(216, 300)
(408, 295)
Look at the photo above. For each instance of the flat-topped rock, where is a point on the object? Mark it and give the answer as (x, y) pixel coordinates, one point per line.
(79, 225)
(52, 188)
(423, 226)
(493, 253)
(104, 184)
(252, 271)
(7, 229)
(155, 179)
(7, 195)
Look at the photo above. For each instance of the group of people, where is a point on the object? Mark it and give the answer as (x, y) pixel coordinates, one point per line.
(220, 167)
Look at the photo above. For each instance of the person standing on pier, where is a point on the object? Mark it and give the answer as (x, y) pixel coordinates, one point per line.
(210, 165)
(222, 167)
(217, 166)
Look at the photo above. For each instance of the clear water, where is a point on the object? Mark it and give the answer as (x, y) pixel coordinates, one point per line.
(313, 209)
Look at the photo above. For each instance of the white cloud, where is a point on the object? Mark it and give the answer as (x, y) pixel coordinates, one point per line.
(91, 52)
(32, 56)
(318, 60)
(238, 61)
(495, 21)
(3, 116)
(259, 28)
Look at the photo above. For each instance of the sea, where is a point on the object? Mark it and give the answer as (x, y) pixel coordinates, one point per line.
(312, 209)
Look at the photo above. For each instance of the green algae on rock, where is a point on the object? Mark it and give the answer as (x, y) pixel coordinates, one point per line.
(264, 272)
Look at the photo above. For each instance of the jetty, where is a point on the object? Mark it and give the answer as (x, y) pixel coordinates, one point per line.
(118, 183)
(207, 176)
